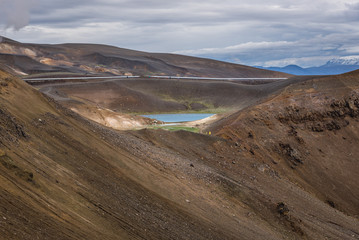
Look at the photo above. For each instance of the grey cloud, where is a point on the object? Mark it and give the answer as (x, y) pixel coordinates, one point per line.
(15, 13)
(247, 31)
(305, 52)
(352, 13)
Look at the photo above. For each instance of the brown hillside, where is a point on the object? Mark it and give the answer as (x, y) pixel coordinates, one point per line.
(162, 95)
(95, 58)
(25, 64)
(309, 133)
(63, 177)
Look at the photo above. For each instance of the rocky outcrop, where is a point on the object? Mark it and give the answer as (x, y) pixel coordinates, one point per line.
(331, 117)
(10, 128)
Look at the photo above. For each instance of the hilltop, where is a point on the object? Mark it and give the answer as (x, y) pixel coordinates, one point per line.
(87, 59)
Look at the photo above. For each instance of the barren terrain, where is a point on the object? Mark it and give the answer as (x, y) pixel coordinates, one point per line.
(273, 174)
(281, 162)
(89, 59)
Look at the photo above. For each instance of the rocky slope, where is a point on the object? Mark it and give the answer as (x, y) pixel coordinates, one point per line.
(308, 134)
(65, 178)
(283, 169)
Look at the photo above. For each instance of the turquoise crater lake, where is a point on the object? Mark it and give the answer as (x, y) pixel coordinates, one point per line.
(181, 117)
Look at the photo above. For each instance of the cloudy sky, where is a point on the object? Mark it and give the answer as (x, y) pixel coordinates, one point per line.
(251, 32)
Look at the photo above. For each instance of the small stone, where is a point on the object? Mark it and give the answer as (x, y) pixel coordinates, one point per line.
(250, 135)
(249, 214)
(282, 208)
(188, 201)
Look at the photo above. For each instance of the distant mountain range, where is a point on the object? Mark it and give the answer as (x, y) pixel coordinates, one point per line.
(335, 66)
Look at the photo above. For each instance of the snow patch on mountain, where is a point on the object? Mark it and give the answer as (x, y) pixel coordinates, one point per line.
(334, 66)
(347, 60)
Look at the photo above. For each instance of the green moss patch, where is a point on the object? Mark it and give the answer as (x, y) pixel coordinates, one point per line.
(177, 128)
